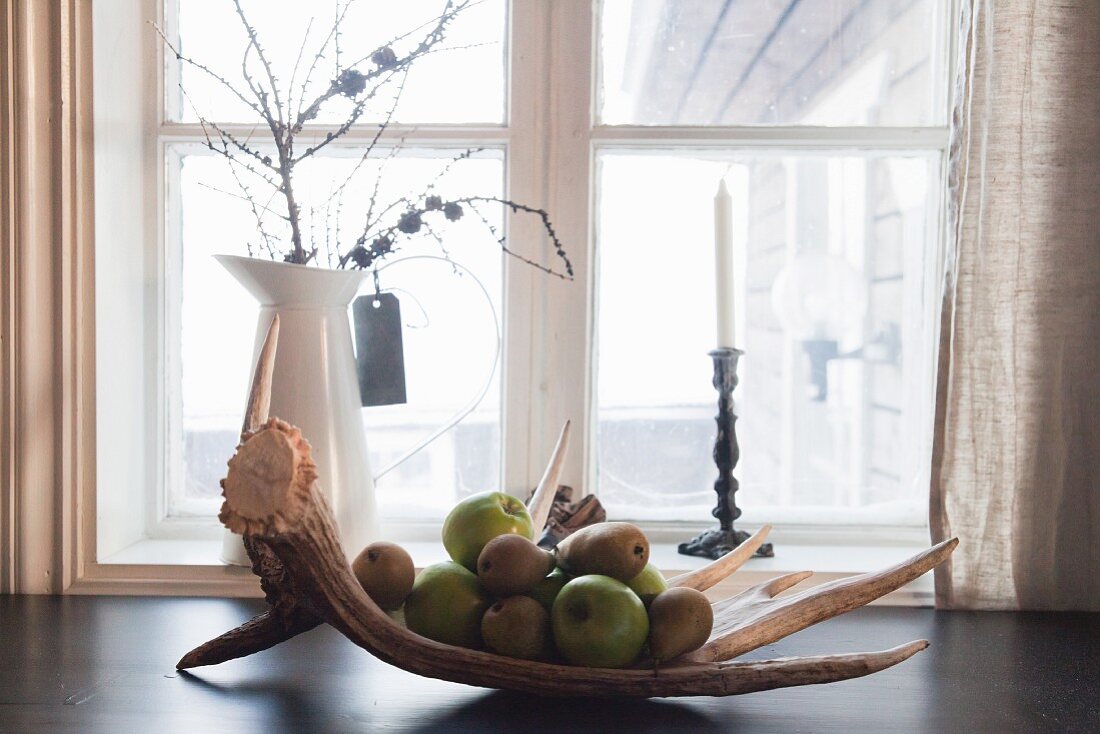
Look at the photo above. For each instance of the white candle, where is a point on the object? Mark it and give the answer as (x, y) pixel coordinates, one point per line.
(723, 265)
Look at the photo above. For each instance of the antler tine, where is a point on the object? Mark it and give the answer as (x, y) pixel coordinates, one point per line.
(755, 622)
(704, 578)
(541, 501)
(259, 395)
(286, 618)
(729, 613)
(801, 671)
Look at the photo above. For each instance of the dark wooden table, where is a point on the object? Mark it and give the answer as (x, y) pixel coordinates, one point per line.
(105, 664)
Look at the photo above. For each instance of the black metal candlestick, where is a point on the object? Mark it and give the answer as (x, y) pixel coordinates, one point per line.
(717, 543)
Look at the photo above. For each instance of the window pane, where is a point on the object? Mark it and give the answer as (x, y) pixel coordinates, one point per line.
(448, 335)
(463, 82)
(772, 62)
(833, 256)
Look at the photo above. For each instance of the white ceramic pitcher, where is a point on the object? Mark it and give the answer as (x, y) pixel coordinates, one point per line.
(314, 385)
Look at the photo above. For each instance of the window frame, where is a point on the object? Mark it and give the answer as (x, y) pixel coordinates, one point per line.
(548, 330)
(581, 367)
(564, 170)
(161, 523)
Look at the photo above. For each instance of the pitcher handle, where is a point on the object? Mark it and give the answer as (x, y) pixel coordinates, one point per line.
(472, 404)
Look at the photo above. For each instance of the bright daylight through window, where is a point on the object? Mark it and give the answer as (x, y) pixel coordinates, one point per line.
(837, 253)
(825, 119)
(445, 312)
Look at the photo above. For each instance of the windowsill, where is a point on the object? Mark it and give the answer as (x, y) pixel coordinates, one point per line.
(829, 562)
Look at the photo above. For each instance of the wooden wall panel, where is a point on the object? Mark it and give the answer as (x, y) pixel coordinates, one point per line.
(47, 309)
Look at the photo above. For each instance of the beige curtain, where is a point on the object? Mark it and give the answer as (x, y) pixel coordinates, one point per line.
(1016, 457)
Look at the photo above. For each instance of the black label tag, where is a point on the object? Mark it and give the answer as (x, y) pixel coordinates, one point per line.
(379, 352)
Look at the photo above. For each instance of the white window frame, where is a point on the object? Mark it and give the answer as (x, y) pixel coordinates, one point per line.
(551, 143)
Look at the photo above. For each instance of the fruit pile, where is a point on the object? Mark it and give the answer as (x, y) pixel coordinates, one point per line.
(594, 601)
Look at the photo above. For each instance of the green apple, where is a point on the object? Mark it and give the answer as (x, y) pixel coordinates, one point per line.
(476, 520)
(546, 591)
(599, 622)
(446, 604)
(648, 584)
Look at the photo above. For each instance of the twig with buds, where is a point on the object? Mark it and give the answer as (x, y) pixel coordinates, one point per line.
(286, 113)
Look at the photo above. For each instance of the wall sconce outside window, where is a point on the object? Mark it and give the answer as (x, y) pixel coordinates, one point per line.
(821, 301)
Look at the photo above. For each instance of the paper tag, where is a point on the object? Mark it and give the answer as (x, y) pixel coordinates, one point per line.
(379, 352)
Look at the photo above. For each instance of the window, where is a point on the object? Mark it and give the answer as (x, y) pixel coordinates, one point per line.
(449, 321)
(196, 325)
(827, 120)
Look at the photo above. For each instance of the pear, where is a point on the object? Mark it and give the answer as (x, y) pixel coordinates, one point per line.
(616, 549)
(518, 627)
(385, 571)
(511, 564)
(680, 620)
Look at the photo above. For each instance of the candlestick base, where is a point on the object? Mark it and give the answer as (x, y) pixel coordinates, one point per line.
(716, 543)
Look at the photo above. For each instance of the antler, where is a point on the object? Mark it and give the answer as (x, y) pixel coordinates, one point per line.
(259, 394)
(704, 578)
(543, 499)
(754, 618)
(272, 498)
(286, 618)
(292, 519)
(289, 616)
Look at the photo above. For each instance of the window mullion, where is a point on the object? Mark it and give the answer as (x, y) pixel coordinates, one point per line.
(443, 135)
(548, 328)
(525, 165)
(885, 138)
(568, 317)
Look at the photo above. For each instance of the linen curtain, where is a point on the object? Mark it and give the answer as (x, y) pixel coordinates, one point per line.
(1016, 450)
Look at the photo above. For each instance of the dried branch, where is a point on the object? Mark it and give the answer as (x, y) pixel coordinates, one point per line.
(254, 42)
(224, 150)
(407, 201)
(256, 213)
(450, 8)
(234, 160)
(412, 222)
(386, 64)
(261, 208)
(464, 155)
(369, 219)
(442, 246)
(542, 214)
(297, 63)
(206, 70)
(297, 126)
(225, 135)
(339, 190)
(360, 83)
(356, 113)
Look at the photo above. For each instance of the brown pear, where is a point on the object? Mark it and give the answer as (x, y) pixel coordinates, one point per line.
(680, 620)
(511, 564)
(518, 627)
(386, 573)
(616, 549)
